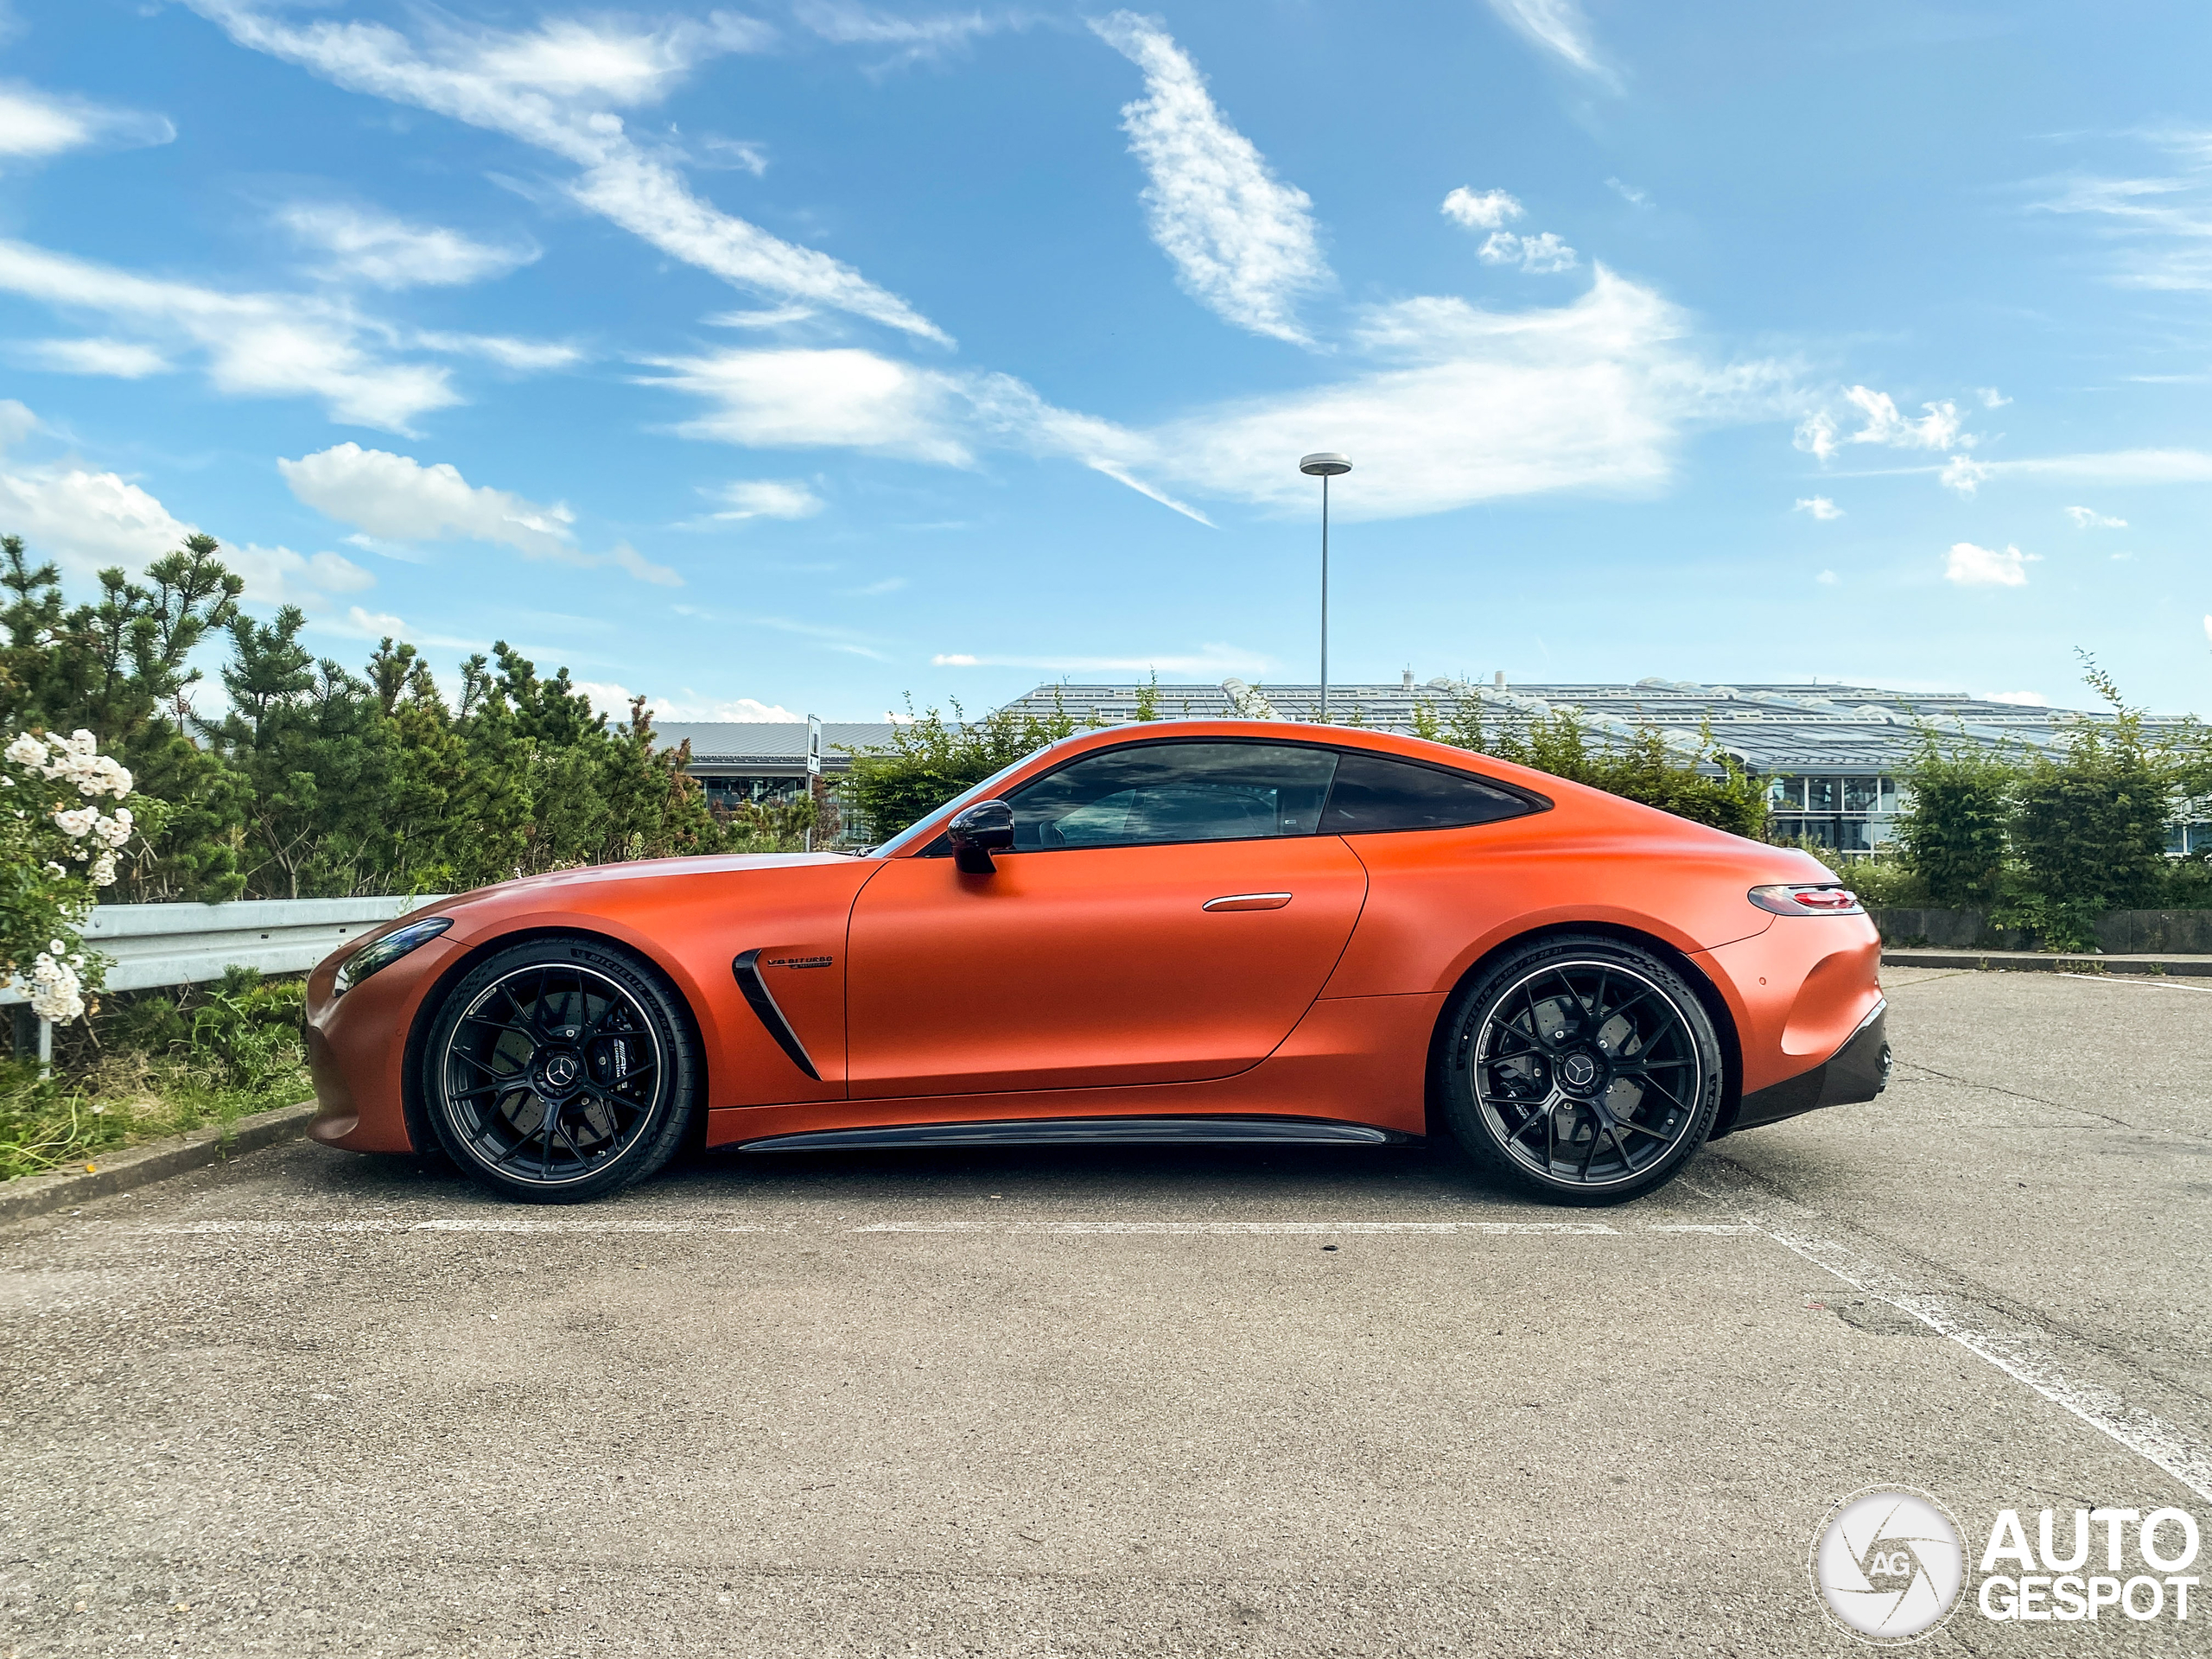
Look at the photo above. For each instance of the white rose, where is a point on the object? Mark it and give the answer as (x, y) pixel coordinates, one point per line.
(103, 870)
(77, 822)
(26, 751)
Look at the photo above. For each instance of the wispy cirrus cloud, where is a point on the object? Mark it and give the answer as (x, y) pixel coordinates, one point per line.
(255, 345)
(361, 243)
(558, 87)
(36, 125)
(1561, 29)
(120, 359)
(2158, 222)
(396, 498)
(767, 498)
(910, 38)
(1461, 404)
(1242, 241)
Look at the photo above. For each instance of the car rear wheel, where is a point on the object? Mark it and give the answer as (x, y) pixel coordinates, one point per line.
(1584, 1069)
(559, 1069)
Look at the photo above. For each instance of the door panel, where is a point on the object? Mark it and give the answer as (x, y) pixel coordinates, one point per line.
(1090, 966)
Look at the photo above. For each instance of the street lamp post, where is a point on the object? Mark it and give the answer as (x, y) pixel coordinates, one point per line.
(1325, 467)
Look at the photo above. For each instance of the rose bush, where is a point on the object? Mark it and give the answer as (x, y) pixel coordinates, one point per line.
(58, 848)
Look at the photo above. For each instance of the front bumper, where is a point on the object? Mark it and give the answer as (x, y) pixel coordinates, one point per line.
(1857, 1071)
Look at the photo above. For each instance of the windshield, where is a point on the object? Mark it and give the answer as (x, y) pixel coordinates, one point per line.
(983, 792)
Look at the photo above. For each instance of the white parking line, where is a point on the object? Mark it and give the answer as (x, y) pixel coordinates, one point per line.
(2035, 1357)
(2148, 982)
(1233, 1229)
(1008, 1226)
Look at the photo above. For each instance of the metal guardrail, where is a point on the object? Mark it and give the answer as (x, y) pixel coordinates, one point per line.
(190, 945)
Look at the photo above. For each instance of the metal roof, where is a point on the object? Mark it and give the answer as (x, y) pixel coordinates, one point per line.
(779, 745)
(1770, 727)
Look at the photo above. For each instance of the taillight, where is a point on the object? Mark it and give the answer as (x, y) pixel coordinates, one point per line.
(1797, 900)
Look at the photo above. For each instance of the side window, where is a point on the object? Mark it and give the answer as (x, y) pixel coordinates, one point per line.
(1149, 793)
(1374, 794)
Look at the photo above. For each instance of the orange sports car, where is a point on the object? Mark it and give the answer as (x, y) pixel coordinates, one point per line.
(1197, 931)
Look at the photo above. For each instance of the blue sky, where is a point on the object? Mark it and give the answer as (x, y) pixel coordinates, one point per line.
(806, 356)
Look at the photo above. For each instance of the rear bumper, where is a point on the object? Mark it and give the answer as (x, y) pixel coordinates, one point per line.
(1857, 1071)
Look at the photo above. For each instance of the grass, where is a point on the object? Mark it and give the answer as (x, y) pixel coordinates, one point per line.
(146, 1067)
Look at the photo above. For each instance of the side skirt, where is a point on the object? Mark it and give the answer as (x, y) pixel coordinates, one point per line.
(1089, 1131)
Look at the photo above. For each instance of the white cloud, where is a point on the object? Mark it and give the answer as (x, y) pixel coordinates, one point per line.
(276, 575)
(1592, 395)
(1632, 194)
(1819, 505)
(2090, 519)
(523, 356)
(88, 520)
(1483, 211)
(123, 359)
(557, 87)
(2024, 699)
(841, 398)
(1471, 406)
(1939, 429)
(768, 498)
(1827, 579)
(36, 125)
(915, 38)
(1815, 436)
(1241, 240)
(1964, 474)
(1557, 26)
(1540, 254)
(2158, 222)
(616, 698)
(1980, 567)
(393, 253)
(396, 498)
(2115, 467)
(1210, 660)
(85, 518)
(1991, 398)
(877, 589)
(256, 344)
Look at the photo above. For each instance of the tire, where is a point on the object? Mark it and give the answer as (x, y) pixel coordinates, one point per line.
(1583, 1069)
(560, 1070)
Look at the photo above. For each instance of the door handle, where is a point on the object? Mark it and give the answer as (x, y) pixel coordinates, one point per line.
(1248, 901)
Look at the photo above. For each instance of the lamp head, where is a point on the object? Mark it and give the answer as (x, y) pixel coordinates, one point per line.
(1325, 465)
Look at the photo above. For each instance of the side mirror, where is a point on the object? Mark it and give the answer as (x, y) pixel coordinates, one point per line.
(983, 828)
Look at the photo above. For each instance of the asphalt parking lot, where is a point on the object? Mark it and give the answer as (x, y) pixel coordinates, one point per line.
(1204, 1403)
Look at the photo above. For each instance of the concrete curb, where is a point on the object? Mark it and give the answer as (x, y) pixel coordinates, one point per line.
(135, 1167)
(2046, 961)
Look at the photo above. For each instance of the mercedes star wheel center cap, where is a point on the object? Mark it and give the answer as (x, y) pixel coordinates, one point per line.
(1579, 1070)
(561, 1071)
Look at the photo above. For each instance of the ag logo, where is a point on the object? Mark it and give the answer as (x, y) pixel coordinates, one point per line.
(1887, 1563)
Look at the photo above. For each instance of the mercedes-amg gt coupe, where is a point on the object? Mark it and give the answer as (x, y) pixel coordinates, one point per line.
(1185, 932)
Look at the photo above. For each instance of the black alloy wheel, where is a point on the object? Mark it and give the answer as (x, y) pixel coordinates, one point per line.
(559, 1069)
(1585, 1069)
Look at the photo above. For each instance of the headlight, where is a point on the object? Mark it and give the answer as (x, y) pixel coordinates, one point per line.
(1807, 898)
(379, 953)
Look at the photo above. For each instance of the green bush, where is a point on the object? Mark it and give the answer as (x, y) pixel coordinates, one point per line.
(1952, 834)
(929, 760)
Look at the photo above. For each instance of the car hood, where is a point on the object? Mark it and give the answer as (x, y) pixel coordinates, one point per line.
(641, 869)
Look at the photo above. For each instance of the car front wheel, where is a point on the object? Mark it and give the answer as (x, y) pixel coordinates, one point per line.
(559, 1069)
(1584, 1069)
